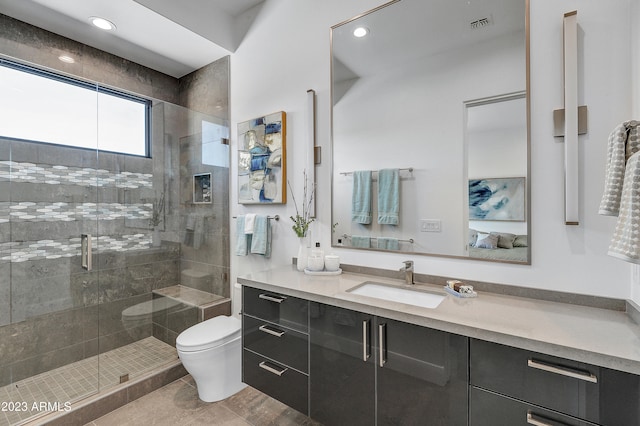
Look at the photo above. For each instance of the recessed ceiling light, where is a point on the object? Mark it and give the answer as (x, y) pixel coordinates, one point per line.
(102, 23)
(360, 32)
(66, 58)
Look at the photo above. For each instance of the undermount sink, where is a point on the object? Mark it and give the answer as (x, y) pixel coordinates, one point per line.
(410, 296)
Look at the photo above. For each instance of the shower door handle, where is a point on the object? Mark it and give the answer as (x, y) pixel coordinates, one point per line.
(85, 249)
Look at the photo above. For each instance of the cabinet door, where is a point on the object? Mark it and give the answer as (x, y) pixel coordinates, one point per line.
(342, 368)
(277, 308)
(422, 375)
(276, 380)
(490, 409)
(596, 394)
(276, 342)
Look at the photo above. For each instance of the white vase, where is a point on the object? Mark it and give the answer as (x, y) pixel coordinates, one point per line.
(303, 253)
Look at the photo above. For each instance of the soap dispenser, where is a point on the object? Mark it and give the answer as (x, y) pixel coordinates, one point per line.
(315, 261)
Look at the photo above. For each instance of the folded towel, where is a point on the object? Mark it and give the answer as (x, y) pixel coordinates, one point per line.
(361, 197)
(623, 142)
(625, 243)
(249, 223)
(387, 243)
(261, 238)
(242, 239)
(388, 196)
(360, 242)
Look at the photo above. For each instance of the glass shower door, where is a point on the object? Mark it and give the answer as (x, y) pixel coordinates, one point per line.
(48, 320)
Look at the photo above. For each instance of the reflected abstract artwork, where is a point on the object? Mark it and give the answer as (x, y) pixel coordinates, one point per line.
(497, 199)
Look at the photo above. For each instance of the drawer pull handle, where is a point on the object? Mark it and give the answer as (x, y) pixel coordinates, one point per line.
(272, 298)
(535, 420)
(564, 371)
(366, 348)
(382, 344)
(266, 329)
(270, 369)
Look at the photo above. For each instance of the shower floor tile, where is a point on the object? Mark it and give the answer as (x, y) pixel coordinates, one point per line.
(50, 391)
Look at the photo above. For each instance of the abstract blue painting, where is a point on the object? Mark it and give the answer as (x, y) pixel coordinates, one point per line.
(497, 199)
(262, 160)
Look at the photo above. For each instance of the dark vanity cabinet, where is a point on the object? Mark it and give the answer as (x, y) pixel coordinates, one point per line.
(343, 367)
(423, 376)
(342, 387)
(275, 342)
(511, 386)
(368, 370)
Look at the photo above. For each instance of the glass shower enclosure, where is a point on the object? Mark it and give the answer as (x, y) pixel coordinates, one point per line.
(86, 237)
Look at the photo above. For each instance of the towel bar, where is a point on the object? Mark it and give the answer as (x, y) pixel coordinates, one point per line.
(406, 169)
(276, 217)
(410, 240)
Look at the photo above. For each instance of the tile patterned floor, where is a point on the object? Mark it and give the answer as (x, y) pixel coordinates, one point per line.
(80, 379)
(177, 404)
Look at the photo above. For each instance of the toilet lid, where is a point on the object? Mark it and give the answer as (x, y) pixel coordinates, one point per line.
(209, 334)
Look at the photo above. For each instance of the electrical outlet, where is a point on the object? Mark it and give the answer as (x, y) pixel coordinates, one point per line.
(430, 225)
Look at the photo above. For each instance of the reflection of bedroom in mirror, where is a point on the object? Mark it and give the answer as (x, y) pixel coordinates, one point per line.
(496, 146)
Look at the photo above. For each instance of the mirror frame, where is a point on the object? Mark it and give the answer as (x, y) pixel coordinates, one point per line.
(527, 91)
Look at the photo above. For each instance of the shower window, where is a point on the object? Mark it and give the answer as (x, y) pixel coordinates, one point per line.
(41, 106)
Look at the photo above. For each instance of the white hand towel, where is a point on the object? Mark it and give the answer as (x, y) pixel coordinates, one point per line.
(249, 223)
(625, 243)
(624, 141)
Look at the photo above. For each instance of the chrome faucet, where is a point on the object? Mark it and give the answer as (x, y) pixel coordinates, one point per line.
(408, 271)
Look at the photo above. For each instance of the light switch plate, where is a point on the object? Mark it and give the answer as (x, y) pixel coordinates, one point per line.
(430, 225)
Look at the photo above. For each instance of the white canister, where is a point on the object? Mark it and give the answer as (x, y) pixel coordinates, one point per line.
(315, 263)
(331, 262)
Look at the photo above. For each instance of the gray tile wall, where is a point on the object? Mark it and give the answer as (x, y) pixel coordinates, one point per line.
(53, 312)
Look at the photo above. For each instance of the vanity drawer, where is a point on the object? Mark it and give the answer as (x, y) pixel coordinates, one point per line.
(276, 342)
(600, 395)
(276, 308)
(276, 380)
(490, 409)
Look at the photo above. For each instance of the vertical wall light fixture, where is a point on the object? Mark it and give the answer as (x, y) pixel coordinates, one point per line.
(572, 120)
(313, 152)
(571, 165)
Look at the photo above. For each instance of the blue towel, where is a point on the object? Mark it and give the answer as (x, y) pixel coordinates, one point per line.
(360, 242)
(361, 197)
(388, 196)
(388, 243)
(242, 239)
(261, 239)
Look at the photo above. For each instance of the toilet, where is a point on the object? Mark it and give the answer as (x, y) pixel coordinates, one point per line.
(211, 352)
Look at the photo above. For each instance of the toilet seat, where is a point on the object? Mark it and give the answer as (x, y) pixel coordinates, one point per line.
(209, 334)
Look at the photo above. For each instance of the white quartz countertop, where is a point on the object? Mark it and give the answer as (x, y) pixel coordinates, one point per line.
(602, 337)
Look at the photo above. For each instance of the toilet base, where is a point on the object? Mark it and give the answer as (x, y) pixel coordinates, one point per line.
(209, 394)
(217, 372)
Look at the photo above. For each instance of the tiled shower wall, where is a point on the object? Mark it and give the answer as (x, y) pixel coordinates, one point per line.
(54, 311)
(65, 313)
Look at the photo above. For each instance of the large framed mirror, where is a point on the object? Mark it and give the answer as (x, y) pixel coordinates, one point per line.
(430, 129)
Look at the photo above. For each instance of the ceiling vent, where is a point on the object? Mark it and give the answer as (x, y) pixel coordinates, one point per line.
(480, 23)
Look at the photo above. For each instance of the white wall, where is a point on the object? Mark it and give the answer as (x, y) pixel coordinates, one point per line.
(287, 52)
(412, 116)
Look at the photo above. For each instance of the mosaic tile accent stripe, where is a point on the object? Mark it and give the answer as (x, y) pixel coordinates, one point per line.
(79, 379)
(66, 212)
(52, 249)
(64, 175)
